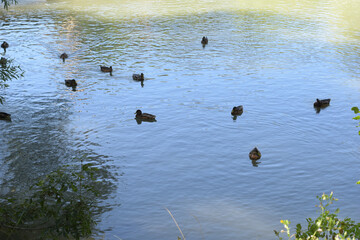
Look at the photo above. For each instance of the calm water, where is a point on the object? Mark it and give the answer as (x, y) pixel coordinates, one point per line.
(274, 58)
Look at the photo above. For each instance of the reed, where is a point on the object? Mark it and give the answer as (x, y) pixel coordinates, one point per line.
(176, 223)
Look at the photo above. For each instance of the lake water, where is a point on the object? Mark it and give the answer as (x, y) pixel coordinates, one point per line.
(273, 57)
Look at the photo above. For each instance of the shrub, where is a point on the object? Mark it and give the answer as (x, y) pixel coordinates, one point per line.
(326, 226)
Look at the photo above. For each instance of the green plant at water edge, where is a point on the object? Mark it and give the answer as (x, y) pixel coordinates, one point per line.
(356, 111)
(326, 226)
(8, 72)
(63, 203)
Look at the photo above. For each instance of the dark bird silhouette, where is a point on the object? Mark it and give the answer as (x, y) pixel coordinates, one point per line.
(106, 69)
(237, 111)
(71, 83)
(140, 116)
(204, 40)
(138, 77)
(63, 56)
(255, 154)
(322, 103)
(4, 45)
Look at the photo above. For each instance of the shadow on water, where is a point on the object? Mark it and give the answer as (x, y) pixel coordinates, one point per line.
(49, 186)
(318, 109)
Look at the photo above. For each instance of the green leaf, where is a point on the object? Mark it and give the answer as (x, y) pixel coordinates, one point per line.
(355, 109)
(358, 182)
(356, 118)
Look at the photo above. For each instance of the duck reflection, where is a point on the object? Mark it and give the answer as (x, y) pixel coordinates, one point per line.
(139, 78)
(139, 120)
(255, 163)
(3, 62)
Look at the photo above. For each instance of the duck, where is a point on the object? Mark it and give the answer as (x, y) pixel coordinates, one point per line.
(71, 83)
(236, 111)
(322, 103)
(5, 116)
(63, 56)
(144, 116)
(4, 45)
(255, 154)
(204, 40)
(138, 77)
(106, 69)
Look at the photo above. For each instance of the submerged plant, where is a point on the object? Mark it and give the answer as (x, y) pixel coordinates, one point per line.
(8, 71)
(326, 226)
(63, 203)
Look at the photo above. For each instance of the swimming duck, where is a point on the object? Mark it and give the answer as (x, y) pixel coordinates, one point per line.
(255, 154)
(5, 116)
(322, 103)
(138, 77)
(106, 69)
(64, 56)
(4, 45)
(237, 110)
(71, 83)
(204, 40)
(144, 116)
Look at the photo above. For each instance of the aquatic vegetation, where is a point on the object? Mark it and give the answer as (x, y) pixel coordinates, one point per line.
(8, 71)
(177, 225)
(65, 203)
(356, 111)
(326, 226)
